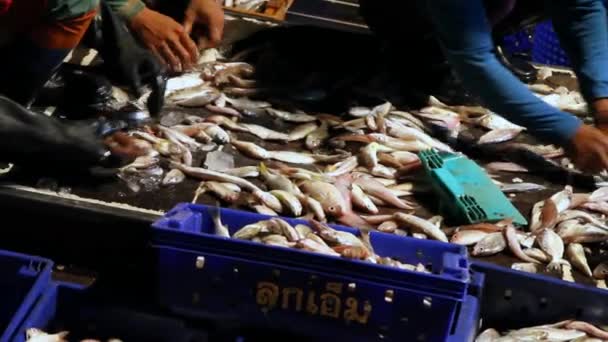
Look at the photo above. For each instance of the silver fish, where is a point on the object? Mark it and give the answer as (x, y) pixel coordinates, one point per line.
(316, 138)
(383, 171)
(382, 110)
(139, 163)
(405, 157)
(421, 225)
(374, 188)
(264, 133)
(537, 254)
(563, 199)
(359, 112)
(488, 335)
(552, 244)
(499, 135)
(243, 172)
(303, 229)
(264, 210)
(305, 158)
(251, 230)
(600, 271)
(222, 191)
(246, 104)
(589, 329)
(491, 244)
(361, 200)
(197, 96)
(220, 228)
(541, 88)
(581, 216)
(302, 131)
(182, 82)
(287, 230)
(601, 207)
(251, 150)
(315, 207)
(174, 176)
(313, 246)
(223, 110)
(521, 187)
(493, 121)
(599, 195)
(407, 119)
(37, 335)
(174, 135)
(389, 226)
(217, 133)
(408, 133)
(369, 154)
(526, 267)
(513, 243)
(576, 255)
(277, 240)
(342, 167)
(546, 334)
(276, 181)
(204, 174)
(328, 195)
(289, 201)
(535, 222)
(572, 231)
(291, 117)
(468, 237)
(508, 167)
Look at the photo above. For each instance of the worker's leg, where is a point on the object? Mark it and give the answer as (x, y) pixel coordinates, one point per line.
(38, 46)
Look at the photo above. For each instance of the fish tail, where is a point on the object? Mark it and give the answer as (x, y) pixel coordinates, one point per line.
(263, 168)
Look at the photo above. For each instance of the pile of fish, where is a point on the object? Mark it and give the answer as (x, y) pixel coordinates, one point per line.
(37, 335)
(316, 237)
(559, 226)
(574, 331)
(359, 169)
(310, 175)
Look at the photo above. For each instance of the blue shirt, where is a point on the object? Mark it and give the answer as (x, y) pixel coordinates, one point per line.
(465, 34)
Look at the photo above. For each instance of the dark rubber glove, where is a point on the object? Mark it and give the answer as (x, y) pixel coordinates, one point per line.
(125, 58)
(38, 140)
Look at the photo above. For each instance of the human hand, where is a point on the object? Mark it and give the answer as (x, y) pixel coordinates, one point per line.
(123, 146)
(590, 149)
(211, 15)
(166, 39)
(600, 112)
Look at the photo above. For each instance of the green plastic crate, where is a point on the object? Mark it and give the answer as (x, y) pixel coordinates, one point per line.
(467, 194)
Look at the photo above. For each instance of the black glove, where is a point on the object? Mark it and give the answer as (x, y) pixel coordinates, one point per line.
(38, 140)
(126, 59)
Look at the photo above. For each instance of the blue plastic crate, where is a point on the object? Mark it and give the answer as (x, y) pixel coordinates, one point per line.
(468, 319)
(546, 48)
(86, 314)
(203, 275)
(23, 279)
(514, 299)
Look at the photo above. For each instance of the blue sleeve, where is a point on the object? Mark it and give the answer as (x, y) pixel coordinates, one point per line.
(465, 34)
(582, 28)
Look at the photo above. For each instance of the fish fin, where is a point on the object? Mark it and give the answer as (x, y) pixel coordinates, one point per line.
(263, 168)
